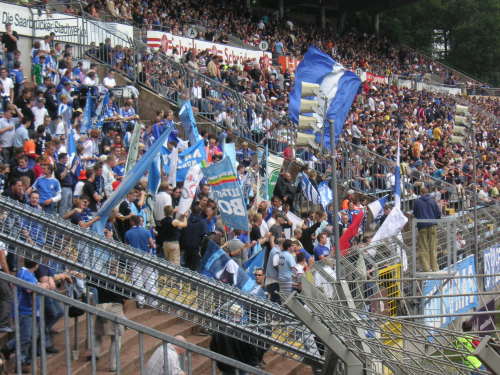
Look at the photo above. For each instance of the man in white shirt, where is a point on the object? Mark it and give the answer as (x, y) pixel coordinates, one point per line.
(162, 199)
(155, 364)
(7, 87)
(39, 113)
(7, 131)
(109, 81)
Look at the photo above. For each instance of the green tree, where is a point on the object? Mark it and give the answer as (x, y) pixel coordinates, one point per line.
(471, 27)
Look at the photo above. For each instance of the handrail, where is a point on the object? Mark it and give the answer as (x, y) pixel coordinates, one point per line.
(140, 328)
(165, 286)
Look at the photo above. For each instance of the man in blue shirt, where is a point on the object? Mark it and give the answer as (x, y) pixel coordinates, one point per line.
(49, 189)
(144, 277)
(321, 250)
(25, 306)
(285, 267)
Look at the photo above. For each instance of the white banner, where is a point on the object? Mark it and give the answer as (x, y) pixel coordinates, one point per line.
(66, 27)
(192, 181)
(168, 42)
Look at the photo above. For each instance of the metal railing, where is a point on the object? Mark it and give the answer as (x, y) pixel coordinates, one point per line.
(39, 295)
(377, 343)
(49, 240)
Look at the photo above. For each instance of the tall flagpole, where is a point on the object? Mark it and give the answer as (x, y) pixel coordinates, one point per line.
(336, 234)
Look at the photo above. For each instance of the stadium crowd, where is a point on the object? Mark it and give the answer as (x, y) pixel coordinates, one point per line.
(42, 111)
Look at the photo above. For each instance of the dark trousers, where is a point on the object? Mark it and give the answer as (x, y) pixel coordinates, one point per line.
(5, 303)
(273, 290)
(192, 258)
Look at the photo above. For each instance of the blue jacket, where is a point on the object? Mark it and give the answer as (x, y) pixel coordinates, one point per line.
(426, 208)
(192, 235)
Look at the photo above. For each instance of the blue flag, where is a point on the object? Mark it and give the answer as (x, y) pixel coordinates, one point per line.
(87, 113)
(100, 112)
(71, 146)
(338, 86)
(185, 160)
(230, 152)
(189, 123)
(189, 157)
(214, 263)
(325, 194)
(397, 180)
(227, 193)
(257, 261)
(154, 175)
(130, 181)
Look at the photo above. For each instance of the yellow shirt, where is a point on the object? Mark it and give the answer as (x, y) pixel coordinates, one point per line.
(437, 133)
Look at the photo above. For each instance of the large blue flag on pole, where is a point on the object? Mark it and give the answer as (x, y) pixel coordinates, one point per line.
(338, 87)
(130, 181)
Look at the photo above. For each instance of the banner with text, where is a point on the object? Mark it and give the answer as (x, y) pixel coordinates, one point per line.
(492, 267)
(227, 193)
(465, 287)
(168, 42)
(67, 28)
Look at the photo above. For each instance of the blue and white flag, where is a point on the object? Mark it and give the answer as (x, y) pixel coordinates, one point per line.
(189, 122)
(185, 160)
(338, 86)
(309, 190)
(71, 146)
(227, 193)
(100, 112)
(217, 264)
(325, 194)
(129, 181)
(377, 207)
(256, 261)
(397, 180)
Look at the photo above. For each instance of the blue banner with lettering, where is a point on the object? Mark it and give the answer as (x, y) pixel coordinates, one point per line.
(466, 289)
(186, 159)
(227, 192)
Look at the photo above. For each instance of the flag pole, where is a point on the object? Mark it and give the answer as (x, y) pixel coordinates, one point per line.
(335, 200)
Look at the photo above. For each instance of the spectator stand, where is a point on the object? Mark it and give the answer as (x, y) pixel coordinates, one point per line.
(47, 239)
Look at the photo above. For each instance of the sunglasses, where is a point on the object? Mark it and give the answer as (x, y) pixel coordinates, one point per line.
(259, 274)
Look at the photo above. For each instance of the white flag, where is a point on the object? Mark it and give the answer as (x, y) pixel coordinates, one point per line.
(391, 226)
(172, 173)
(192, 181)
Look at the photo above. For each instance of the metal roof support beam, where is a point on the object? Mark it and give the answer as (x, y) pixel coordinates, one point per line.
(353, 365)
(489, 355)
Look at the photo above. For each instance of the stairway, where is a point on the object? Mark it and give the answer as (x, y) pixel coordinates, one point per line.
(167, 323)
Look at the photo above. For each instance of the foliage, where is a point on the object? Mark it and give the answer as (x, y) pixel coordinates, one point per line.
(472, 28)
